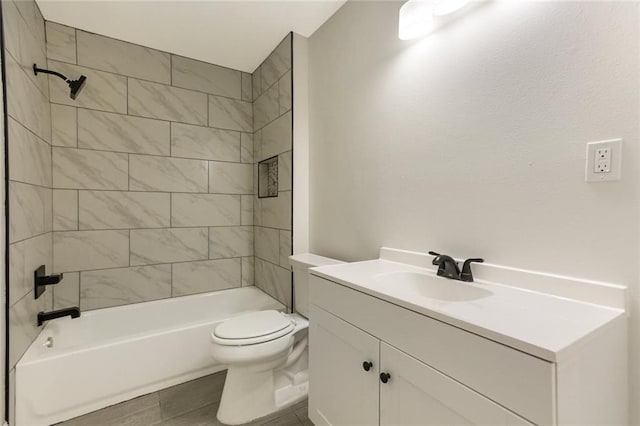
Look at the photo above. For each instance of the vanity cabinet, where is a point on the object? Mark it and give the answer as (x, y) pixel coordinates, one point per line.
(356, 379)
(443, 374)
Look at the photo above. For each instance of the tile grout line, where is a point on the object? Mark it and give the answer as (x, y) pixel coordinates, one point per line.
(144, 117)
(146, 80)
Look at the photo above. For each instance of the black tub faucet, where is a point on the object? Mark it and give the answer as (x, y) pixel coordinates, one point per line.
(448, 267)
(73, 312)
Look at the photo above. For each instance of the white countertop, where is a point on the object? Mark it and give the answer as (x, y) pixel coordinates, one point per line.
(540, 324)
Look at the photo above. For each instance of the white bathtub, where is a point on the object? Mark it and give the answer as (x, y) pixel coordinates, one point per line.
(111, 355)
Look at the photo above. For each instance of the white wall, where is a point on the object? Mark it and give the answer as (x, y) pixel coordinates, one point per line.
(300, 94)
(472, 141)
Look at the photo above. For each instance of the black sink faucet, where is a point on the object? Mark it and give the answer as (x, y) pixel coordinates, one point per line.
(73, 312)
(448, 267)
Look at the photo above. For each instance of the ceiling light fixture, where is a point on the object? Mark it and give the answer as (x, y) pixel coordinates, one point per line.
(421, 17)
(447, 7)
(416, 19)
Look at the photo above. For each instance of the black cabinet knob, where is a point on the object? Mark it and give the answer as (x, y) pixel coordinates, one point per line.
(385, 377)
(367, 365)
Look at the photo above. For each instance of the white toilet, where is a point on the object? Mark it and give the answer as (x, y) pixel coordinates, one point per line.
(266, 353)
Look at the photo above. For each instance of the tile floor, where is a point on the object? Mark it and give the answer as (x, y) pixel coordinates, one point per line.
(194, 403)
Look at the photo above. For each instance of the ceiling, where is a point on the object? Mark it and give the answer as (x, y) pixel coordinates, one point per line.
(234, 33)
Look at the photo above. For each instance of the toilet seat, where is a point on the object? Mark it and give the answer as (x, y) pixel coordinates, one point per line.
(253, 328)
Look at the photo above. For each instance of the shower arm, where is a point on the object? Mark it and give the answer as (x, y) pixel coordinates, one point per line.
(36, 70)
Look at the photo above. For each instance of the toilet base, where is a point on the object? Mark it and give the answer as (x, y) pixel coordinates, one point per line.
(249, 394)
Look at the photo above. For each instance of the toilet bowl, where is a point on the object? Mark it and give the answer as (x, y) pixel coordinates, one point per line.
(266, 354)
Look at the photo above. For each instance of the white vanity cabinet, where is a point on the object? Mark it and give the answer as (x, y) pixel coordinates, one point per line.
(445, 375)
(347, 388)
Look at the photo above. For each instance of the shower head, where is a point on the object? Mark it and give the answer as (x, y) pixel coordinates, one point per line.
(74, 85)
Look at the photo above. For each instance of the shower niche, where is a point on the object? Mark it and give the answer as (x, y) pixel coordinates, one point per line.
(268, 178)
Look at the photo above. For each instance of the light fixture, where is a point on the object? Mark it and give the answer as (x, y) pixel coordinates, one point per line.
(416, 19)
(421, 17)
(447, 7)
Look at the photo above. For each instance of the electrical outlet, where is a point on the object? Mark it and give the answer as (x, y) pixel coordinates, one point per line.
(604, 159)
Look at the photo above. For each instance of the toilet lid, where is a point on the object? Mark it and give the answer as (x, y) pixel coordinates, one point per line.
(254, 327)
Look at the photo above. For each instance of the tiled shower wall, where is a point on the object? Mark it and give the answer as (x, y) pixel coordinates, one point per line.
(272, 121)
(30, 192)
(30, 215)
(152, 173)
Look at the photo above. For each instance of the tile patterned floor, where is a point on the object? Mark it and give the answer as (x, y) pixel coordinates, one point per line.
(194, 403)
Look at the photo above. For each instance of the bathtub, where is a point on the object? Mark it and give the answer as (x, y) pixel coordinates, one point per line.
(111, 355)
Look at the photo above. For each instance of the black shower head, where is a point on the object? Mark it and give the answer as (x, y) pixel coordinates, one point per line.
(75, 85)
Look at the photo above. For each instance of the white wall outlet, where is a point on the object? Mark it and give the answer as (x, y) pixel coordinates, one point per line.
(604, 160)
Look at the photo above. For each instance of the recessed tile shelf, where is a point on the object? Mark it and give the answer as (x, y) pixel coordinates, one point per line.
(268, 178)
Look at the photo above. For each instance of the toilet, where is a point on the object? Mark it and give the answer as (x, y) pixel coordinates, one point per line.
(266, 353)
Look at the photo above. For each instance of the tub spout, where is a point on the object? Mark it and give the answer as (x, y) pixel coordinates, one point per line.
(73, 312)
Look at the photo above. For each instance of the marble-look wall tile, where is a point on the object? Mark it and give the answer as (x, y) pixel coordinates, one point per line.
(149, 173)
(108, 54)
(256, 83)
(266, 108)
(285, 248)
(64, 126)
(232, 241)
(86, 250)
(30, 211)
(150, 246)
(24, 258)
(114, 287)
(230, 178)
(225, 113)
(207, 275)
(205, 210)
(23, 45)
(33, 18)
(276, 137)
(29, 156)
(257, 149)
(167, 103)
(104, 91)
(87, 169)
(284, 171)
(116, 132)
(284, 92)
(267, 244)
(65, 210)
(246, 152)
(257, 211)
(273, 280)
(26, 103)
(121, 210)
(67, 292)
(276, 211)
(204, 77)
(247, 271)
(246, 210)
(204, 143)
(247, 91)
(61, 42)
(277, 63)
(23, 328)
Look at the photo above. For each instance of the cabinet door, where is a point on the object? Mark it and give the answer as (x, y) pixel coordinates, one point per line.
(416, 394)
(341, 391)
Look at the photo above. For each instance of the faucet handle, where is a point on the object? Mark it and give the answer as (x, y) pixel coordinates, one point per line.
(433, 253)
(466, 274)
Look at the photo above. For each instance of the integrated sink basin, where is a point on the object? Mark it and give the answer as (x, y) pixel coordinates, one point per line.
(431, 286)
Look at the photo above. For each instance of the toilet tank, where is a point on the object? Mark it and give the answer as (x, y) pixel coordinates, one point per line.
(300, 264)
